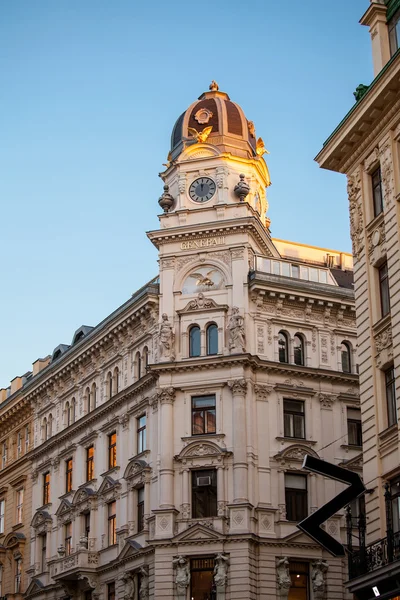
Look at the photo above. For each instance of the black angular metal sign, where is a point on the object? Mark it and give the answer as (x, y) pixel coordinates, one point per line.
(311, 524)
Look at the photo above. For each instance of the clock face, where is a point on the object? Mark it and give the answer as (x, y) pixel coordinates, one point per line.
(202, 189)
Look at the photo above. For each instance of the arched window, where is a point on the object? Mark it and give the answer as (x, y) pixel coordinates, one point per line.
(346, 357)
(298, 349)
(194, 341)
(68, 414)
(93, 396)
(87, 400)
(283, 347)
(116, 380)
(212, 339)
(138, 365)
(72, 410)
(145, 358)
(109, 385)
(44, 429)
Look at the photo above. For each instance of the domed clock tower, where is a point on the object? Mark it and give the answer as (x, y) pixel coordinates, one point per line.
(215, 205)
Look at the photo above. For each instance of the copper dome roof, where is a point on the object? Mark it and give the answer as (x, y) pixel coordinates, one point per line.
(230, 130)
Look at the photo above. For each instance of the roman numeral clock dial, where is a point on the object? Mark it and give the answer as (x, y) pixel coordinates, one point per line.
(202, 189)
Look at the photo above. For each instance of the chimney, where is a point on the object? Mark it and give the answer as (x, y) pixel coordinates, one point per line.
(40, 364)
(16, 384)
(3, 394)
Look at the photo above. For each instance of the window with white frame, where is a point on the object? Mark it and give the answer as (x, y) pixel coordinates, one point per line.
(2, 513)
(19, 505)
(18, 575)
(4, 455)
(27, 438)
(19, 443)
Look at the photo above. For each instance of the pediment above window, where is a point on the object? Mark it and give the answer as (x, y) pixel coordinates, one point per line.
(83, 495)
(109, 488)
(14, 540)
(202, 304)
(65, 507)
(134, 467)
(204, 449)
(40, 519)
(131, 548)
(296, 453)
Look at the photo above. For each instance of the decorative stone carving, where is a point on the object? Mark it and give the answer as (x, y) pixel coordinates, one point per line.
(262, 392)
(327, 400)
(387, 171)
(144, 582)
(202, 450)
(283, 577)
(92, 581)
(167, 337)
(242, 188)
(371, 160)
(128, 586)
(200, 303)
(182, 578)
(203, 115)
(318, 573)
(384, 346)
(221, 574)
(356, 214)
(236, 332)
(238, 386)
(166, 395)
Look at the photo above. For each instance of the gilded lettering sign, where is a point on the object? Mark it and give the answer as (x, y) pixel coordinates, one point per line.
(203, 243)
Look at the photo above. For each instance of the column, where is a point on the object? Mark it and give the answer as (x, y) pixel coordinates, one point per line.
(166, 398)
(240, 474)
(313, 493)
(146, 502)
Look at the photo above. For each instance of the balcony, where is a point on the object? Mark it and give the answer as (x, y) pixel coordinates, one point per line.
(67, 567)
(374, 556)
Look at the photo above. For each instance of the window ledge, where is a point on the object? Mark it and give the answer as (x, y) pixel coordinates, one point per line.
(351, 447)
(110, 472)
(44, 507)
(213, 436)
(295, 439)
(66, 495)
(17, 526)
(140, 455)
(86, 483)
(382, 323)
(388, 432)
(376, 221)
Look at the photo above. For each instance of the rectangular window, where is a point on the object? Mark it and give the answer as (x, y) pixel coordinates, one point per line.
(46, 488)
(27, 438)
(90, 463)
(390, 383)
(18, 575)
(299, 580)
(19, 505)
(68, 538)
(4, 455)
(140, 508)
(384, 289)
(43, 552)
(111, 591)
(377, 195)
(112, 450)
(296, 497)
(203, 415)
(86, 524)
(293, 418)
(354, 426)
(141, 434)
(19, 444)
(204, 494)
(395, 497)
(357, 508)
(394, 32)
(112, 523)
(68, 475)
(2, 511)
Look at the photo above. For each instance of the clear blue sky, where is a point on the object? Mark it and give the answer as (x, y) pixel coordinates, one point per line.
(89, 94)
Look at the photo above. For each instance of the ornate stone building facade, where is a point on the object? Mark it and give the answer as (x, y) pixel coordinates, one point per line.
(365, 146)
(169, 439)
(16, 421)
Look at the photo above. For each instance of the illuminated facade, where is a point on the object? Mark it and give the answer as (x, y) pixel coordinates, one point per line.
(169, 440)
(365, 146)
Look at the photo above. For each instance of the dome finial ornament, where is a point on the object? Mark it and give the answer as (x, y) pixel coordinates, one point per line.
(260, 147)
(166, 201)
(214, 87)
(242, 188)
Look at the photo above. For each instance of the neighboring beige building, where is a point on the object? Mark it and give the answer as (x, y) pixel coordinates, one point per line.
(169, 439)
(15, 486)
(365, 146)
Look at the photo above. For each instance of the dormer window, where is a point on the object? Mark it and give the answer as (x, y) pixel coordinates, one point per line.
(394, 32)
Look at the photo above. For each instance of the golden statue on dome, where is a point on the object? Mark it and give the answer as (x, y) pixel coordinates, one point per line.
(213, 87)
